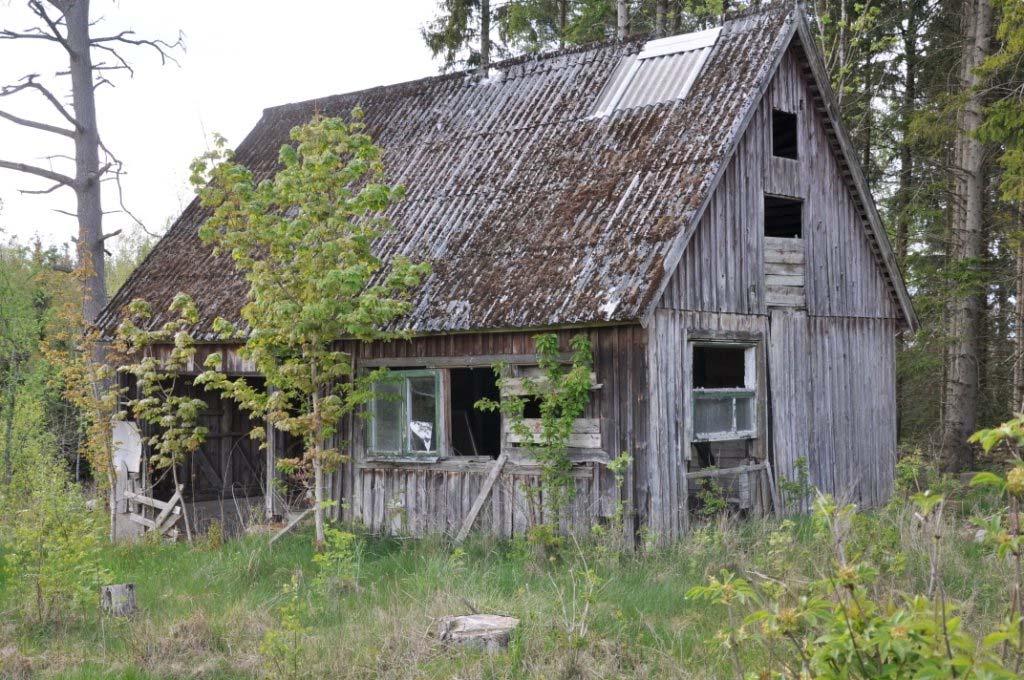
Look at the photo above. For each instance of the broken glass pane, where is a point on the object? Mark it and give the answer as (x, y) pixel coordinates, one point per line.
(422, 413)
(387, 416)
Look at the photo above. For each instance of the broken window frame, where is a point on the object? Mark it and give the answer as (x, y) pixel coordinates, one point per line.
(405, 449)
(738, 397)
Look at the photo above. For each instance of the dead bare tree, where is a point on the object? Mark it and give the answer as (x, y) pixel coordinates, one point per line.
(67, 24)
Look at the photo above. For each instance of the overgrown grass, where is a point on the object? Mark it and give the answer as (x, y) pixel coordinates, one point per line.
(204, 611)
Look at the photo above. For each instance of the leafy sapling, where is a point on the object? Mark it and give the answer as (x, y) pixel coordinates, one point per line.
(303, 241)
(173, 416)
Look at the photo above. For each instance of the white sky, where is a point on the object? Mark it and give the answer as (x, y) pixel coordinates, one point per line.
(241, 57)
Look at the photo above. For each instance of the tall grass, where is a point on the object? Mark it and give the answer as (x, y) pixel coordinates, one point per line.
(204, 611)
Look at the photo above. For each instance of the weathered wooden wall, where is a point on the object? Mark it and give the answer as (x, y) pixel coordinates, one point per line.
(722, 268)
(829, 356)
(418, 498)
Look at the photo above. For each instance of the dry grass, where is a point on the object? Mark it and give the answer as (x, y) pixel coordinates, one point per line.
(205, 611)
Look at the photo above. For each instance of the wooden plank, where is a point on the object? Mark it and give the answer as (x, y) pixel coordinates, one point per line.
(516, 386)
(784, 296)
(485, 491)
(784, 269)
(586, 433)
(724, 472)
(790, 280)
(291, 525)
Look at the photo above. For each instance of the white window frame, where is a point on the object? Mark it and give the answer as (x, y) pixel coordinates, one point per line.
(436, 434)
(747, 393)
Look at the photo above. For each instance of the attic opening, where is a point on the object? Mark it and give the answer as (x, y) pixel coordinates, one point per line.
(784, 137)
(474, 432)
(783, 217)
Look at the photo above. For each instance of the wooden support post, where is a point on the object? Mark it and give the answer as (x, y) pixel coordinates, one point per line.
(485, 491)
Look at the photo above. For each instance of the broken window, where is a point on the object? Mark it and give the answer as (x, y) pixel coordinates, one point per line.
(474, 432)
(784, 134)
(783, 217)
(405, 413)
(724, 392)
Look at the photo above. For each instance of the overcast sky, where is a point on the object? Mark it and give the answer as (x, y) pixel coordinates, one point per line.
(241, 57)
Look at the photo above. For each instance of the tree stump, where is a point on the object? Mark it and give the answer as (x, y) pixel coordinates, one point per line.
(118, 599)
(483, 631)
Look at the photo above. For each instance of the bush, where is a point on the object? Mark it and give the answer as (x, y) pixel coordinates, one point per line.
(51, 542)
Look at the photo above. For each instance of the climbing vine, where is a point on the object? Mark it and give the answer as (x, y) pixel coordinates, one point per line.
(562, 393)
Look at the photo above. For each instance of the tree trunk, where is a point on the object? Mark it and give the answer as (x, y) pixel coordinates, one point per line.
(12, 393)
(1018, 327)
(562, 14)
(907, 108)
(965, 250)
(660, 15)
(621, 19)
(906, 159)
(87, 161)
(318, 501)
(485, 35)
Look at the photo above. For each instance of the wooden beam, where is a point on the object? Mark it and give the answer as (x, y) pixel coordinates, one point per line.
(485, 491)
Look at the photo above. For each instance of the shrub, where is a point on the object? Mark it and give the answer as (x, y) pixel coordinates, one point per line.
(51, 542)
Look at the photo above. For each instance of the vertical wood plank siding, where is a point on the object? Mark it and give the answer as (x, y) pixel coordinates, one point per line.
(830, 369)
(435, 498)
(722, 268)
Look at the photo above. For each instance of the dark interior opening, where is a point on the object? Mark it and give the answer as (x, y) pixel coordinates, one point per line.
(784, 144)
(474, 432)
(718, 367)
(783, 217)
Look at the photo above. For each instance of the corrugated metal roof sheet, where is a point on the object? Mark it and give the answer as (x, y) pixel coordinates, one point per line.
(664, 70)
(531, 212)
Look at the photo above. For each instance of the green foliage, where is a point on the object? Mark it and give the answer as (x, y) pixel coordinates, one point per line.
(174, 415)
(49, 540)
(711, 498)
(836, 626)
(563, 394)
(302, 240)
(339, 561)
(796, 493)
(281, 647)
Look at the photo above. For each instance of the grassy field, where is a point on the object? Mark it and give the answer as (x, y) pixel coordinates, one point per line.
(587, 611)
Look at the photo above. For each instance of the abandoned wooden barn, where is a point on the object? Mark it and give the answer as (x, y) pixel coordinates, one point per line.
(692, 204)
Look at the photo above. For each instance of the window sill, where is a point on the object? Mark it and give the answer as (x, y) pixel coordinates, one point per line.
(401, 458)
(724, 437)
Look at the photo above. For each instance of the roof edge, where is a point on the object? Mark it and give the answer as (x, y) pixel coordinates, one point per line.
(676, 250)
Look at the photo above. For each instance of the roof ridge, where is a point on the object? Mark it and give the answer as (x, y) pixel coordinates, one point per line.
(778, 6)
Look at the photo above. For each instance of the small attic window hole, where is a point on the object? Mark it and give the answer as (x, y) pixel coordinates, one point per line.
(784, 137)
(783, 217)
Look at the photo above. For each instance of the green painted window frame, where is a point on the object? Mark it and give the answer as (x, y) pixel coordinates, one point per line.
(405, 449)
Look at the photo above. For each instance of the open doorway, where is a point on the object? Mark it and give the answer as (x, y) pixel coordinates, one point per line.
(474, 432)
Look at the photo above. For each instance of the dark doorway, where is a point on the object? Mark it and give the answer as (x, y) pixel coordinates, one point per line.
(783, 217)
(474, 432)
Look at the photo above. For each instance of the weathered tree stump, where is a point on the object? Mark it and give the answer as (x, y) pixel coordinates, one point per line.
(118, 599)
(483, 631)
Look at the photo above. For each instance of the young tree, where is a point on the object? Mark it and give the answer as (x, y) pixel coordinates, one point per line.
(303, 243)
(68, 24)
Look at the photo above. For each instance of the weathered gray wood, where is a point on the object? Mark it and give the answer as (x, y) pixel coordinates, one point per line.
(291, 525)
(118, 599)
(711, 473)
(484, 631)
